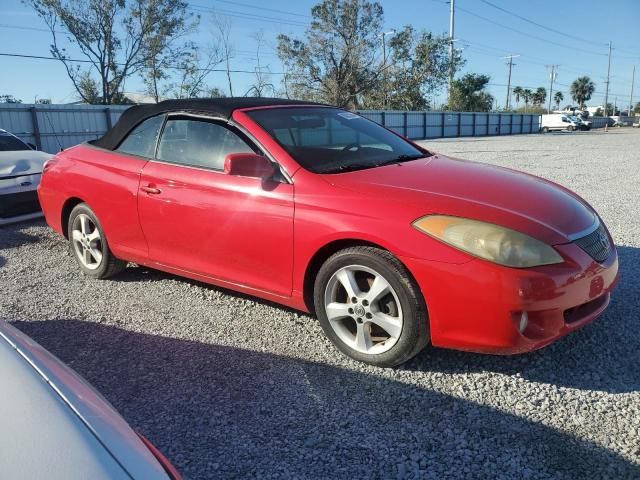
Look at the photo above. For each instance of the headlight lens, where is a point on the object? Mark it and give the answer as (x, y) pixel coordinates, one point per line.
(491, 242)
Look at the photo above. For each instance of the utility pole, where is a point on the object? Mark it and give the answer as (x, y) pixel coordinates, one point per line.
(606, 92)
(451, 30)
(511, 64)
(552, 78)
(384, 67)
(633, 79)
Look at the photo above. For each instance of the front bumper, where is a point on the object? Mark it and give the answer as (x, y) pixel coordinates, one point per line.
(476, 306)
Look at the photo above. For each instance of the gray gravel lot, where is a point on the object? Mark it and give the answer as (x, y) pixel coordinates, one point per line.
(230, 387)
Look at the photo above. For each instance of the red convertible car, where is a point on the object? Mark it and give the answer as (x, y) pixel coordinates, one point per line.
(317, 208)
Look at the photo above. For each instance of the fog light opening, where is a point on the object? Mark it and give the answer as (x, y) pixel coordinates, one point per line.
(524, 321)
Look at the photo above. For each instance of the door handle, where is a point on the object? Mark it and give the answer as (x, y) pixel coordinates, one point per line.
(150, 189)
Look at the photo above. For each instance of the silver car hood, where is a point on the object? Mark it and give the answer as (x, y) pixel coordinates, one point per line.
(56, 425)
(22, 162)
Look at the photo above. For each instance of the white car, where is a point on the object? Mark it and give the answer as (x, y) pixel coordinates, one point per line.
(56, 426)
(20, 170)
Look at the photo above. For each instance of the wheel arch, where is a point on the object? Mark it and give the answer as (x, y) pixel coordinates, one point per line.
(322, 254)
(67, 207)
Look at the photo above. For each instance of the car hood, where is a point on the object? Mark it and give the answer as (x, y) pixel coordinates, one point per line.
(22, 162)
(439, 184)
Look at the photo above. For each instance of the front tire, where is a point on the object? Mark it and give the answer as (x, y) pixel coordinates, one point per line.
(89, 245)
(370, 307)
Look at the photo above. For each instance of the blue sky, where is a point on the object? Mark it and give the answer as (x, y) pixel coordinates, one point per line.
(581, 48)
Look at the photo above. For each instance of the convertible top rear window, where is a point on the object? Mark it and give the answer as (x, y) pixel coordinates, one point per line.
(329, 140)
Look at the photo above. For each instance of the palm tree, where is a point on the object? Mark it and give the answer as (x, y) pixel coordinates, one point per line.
(517, 91)
(558, 97)
(527, 95)
(539, 96)
(582, 89)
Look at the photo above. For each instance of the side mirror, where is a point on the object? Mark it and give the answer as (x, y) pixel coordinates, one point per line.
(248, 165)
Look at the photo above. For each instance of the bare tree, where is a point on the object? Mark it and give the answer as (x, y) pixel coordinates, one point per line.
(113, 35)
(194, 70)
(222, 28)
(162, 50)
(262, 83)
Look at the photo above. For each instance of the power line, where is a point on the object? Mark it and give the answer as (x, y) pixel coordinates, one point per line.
(36, 29)
(246, 16)
(173, 67)
(224, 70)
(469, 12)
(559, 32)
(234, 3)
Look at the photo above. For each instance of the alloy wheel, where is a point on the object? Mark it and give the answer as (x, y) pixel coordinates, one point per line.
(87, 242)
(363, 309)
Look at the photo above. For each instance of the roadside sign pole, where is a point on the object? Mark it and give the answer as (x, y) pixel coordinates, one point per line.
(633, 79)
(511, 64)
(552, 77)
(606, 92)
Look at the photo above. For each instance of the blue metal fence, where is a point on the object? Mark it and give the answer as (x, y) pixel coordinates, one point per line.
(52, 127)
(420, 125)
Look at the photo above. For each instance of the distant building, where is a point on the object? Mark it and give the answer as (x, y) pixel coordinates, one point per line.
(592, 110)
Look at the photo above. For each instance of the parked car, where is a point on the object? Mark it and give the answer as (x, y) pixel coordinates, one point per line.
(636, 123)
(559, 121)
(20, 170)
(582, 124)
(57, 426)
(584, 118)
(389, 244)
(620, 121)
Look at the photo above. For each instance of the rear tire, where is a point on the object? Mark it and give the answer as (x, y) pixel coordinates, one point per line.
(89, 246)
(380, 318)
(545, 129)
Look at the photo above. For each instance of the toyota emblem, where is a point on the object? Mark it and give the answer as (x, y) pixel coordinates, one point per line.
(604, 241)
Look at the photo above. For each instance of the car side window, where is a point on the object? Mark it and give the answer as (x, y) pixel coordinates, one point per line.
(142, 139)
(199, 143)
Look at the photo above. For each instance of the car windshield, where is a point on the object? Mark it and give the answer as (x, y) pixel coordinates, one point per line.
(9, 143)
(329, 140)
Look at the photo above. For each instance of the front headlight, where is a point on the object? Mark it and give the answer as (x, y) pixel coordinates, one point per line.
(486, 240)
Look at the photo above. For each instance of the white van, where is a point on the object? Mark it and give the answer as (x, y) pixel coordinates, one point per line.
(558, 121)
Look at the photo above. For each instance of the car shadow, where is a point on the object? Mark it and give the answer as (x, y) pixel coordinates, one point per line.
(224, 412)
(590, 347)
(14, 235)
(139, 274)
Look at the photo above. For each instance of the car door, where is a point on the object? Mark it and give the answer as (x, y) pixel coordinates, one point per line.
(198, 219)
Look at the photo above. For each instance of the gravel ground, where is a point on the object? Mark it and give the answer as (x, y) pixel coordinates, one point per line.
(230, 387)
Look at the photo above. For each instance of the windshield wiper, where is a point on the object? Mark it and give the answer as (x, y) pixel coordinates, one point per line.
(361, 165)
(402, 158)
(353, 166)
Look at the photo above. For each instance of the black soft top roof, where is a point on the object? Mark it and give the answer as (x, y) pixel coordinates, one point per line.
(218, 107)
